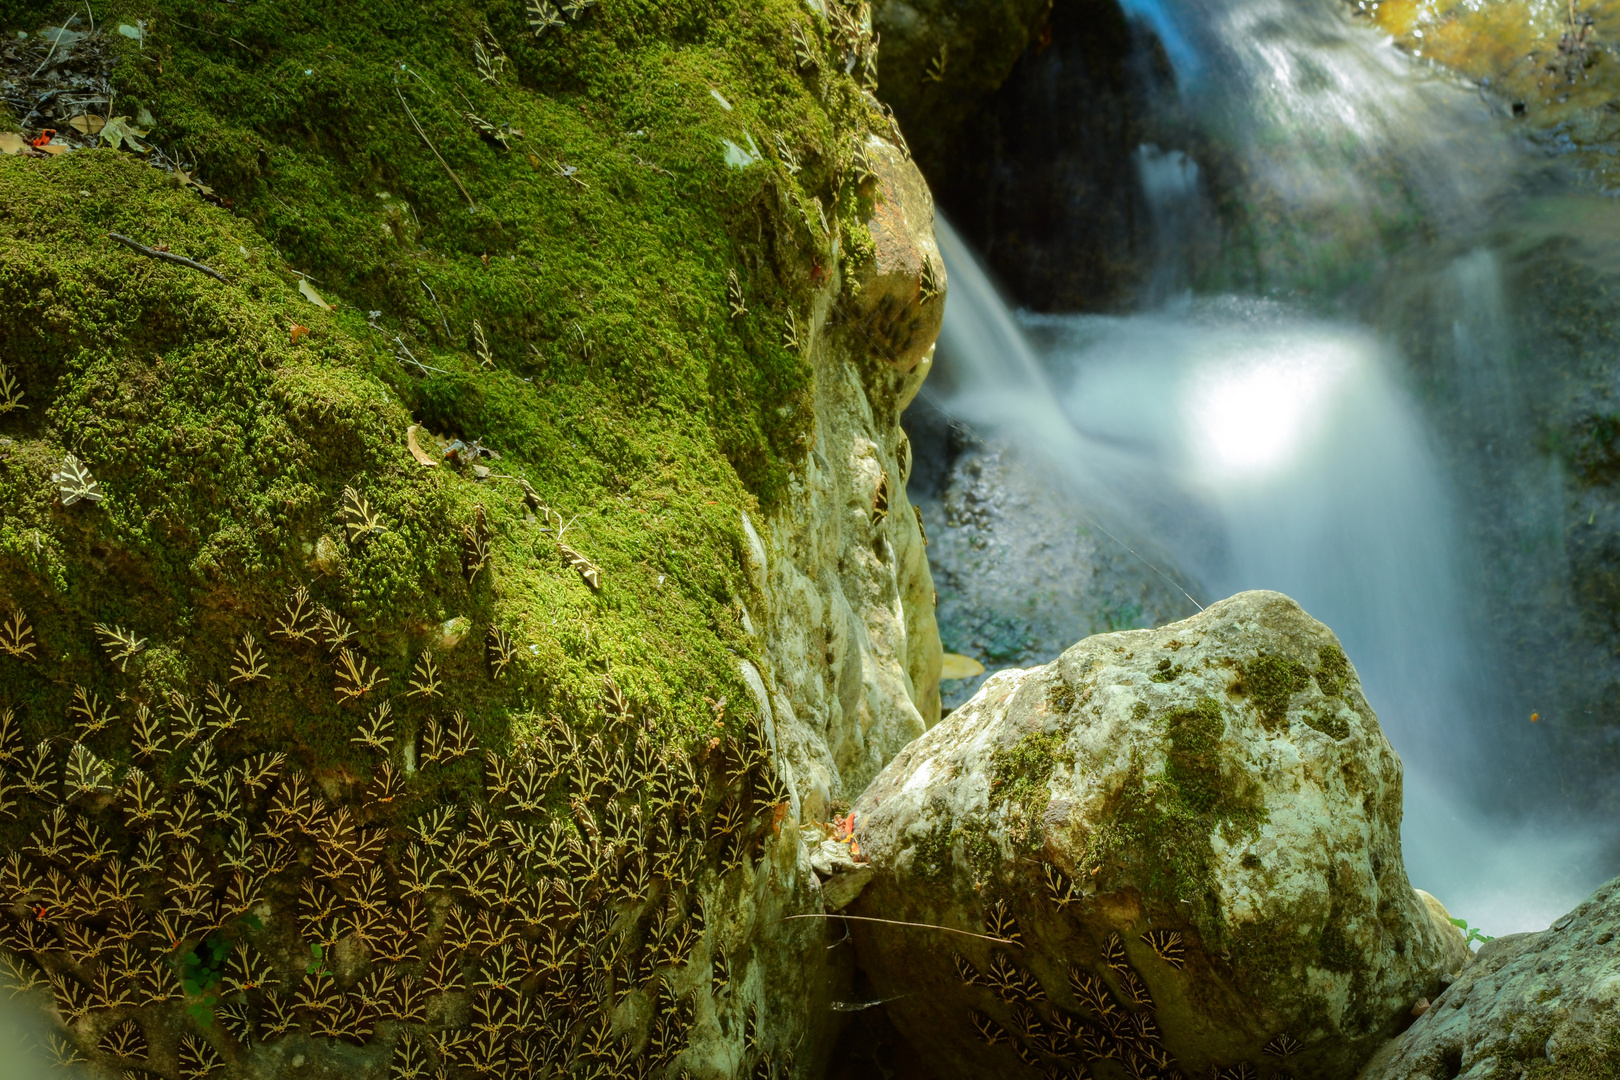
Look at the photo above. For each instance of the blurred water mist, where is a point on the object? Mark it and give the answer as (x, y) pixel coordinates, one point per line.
(22, 1031)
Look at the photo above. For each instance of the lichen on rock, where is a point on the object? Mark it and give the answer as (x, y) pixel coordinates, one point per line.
(1532, 1006)
(1188, 841)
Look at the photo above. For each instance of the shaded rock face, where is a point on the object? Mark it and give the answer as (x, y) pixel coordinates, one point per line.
(1187, 840)
(1530, 1005)
(1035, 161)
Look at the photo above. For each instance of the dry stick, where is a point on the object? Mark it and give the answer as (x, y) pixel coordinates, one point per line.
(166, 256)
(60, 30)
(435, 149)
(897, 922)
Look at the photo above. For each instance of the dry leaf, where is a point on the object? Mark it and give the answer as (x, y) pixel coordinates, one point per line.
(122, 133)
(307, 291)
(12, 143)
(52, 148)
(88, 124)
(299, 332)
(416, 450)
(957, 666)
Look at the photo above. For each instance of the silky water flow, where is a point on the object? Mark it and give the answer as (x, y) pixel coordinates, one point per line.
(1233, 442)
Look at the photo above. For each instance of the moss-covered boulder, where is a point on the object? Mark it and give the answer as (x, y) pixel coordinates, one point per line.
(1530, 1007)
(1167, 846)
(389, 678)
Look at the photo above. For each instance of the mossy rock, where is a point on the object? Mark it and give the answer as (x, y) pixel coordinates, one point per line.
(332, 743)
(1530, 1005)
(1190, 871)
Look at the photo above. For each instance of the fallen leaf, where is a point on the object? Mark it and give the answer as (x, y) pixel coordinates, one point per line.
(298, 333)
(88, 124)
(957, 666)
(422, 456)
(11, 142)
(308, 292)
(52, 148)
(121, 133)
(191, 178)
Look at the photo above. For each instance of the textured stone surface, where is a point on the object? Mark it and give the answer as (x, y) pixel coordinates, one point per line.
(1529, 1006)
(1221, 780)
(849, 621)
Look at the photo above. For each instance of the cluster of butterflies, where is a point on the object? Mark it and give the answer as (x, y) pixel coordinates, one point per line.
(1114, 1023)
(492, 934)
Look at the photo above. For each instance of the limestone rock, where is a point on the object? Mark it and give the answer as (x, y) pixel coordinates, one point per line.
(901, 304)
(1530, 1005)
(849, 602)
(1190, 838)
(1457, 953)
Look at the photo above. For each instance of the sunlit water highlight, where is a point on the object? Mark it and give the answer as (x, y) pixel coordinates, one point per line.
(1254, 447)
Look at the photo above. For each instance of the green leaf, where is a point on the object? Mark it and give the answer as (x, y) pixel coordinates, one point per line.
(1461, 924)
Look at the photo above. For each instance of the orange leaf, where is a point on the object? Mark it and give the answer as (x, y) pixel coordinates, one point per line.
(299, 332)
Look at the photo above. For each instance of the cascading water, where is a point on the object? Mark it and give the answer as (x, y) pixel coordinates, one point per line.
(1250, 444)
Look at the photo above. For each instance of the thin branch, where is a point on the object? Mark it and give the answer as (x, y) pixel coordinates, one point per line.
(435, 149)
(409, 356)
(166, 256)
(897, 922)
(60, 30)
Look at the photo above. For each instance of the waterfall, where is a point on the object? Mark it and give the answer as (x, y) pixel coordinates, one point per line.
(1290, 445)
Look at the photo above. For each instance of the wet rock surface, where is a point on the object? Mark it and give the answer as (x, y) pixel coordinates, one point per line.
(1530, 1005)
(1185, 845)
(1020, 578)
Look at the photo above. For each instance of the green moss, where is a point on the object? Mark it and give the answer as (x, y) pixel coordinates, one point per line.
(1332, 672)
(1335, 951)
(932, 859)
(1159, 828)
(1167, 672)
(1193, 762)
(622, 389)
(1271, 682)
(1330, 724)
(1019, 773)
(1579, 1063)
(979, 848)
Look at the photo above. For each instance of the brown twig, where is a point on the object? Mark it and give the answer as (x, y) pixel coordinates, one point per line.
(435, 149)
(60, 30)
(166, 256)
(897, 922)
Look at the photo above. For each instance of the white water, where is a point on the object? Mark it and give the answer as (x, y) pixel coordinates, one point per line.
(1258, 448)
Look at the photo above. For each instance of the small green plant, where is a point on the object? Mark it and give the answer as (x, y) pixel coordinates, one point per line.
(1473, 932)
(201, 971)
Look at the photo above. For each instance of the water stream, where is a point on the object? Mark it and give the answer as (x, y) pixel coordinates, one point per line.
(1239, 442)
